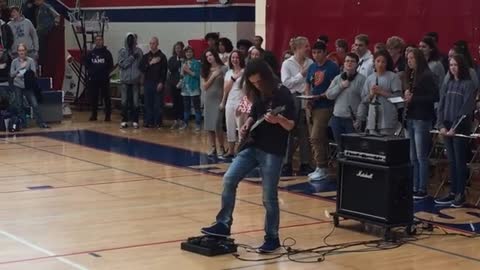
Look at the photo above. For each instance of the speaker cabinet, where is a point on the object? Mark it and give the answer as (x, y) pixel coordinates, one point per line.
(375, 193)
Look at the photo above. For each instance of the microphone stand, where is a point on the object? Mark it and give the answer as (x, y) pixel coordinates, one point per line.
(374, 102)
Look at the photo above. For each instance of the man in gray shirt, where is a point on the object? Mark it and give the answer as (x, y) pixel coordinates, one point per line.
(346, 90)
(23, 32)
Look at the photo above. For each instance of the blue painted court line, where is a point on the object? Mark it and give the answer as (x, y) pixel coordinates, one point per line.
(169, 182)
(132, 147)
(40, 187)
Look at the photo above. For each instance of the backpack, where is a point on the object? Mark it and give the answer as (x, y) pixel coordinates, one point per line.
(31, 84)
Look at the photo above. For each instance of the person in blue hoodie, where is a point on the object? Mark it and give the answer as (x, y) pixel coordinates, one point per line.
(99, 64)
(129, 59)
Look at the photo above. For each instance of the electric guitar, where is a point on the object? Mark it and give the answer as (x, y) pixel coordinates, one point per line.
(247, 139)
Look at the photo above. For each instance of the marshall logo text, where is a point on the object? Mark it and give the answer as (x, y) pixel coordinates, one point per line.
(365, 175)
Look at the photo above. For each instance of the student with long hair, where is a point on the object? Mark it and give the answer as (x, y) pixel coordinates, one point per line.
(461, 48)
(266, 151)
(341, 47)
(190, 85)
(225, 48)
(232, 96)
(212, 80)
(174, 69)
(256, 53)
(381, 85)
(457, 100)
(420, 96)
(430, 50)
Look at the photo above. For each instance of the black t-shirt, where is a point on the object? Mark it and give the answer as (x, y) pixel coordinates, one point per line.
(272, 138)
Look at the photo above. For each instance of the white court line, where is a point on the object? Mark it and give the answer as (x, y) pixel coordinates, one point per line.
(44, 251)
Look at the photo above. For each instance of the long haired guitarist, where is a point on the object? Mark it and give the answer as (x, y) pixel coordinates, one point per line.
(269, 143)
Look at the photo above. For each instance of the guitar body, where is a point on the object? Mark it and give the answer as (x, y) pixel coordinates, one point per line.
(248, 140)
(244, 143)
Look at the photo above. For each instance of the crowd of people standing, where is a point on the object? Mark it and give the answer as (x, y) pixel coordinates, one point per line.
(348, 90)
(23, 42)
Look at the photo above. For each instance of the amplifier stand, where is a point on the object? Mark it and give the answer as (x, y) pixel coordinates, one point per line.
(389, 235)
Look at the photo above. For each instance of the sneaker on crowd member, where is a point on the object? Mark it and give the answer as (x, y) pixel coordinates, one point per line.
(459, 201)
(304, 169)
(446, 200)
(318, 175)
(420, 195)
(176, 124)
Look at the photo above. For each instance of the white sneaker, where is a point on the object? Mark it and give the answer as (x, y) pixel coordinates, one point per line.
(182, 125)
(316, 171)
(175, 125)
(320, 175)
(135, 125)
(124, 125)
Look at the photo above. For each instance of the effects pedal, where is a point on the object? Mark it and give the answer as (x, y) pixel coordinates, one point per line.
(208, 245)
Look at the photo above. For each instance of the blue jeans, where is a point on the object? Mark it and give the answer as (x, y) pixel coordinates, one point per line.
(270, 168)
(457, 163)
(32, 101)
(153, 103)
(187, 106)
(420, 142)
(129, 102)
(341, 125)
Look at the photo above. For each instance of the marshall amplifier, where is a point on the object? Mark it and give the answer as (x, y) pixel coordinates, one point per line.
(375, 193)
(385, 150)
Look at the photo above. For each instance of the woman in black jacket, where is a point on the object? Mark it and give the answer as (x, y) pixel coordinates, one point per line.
(420, 96)
(174, 76)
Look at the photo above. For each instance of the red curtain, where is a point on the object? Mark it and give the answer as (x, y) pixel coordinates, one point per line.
(380, 19)
(55, 67)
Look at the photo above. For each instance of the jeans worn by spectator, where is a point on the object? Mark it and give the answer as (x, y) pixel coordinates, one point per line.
(420, 142)
(153, 103)
(130, 102)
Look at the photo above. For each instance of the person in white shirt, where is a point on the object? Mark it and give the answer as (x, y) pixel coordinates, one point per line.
(293, 73)
(232, 96)
(360, 47)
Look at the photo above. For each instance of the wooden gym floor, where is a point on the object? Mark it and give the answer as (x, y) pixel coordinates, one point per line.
(90, 196)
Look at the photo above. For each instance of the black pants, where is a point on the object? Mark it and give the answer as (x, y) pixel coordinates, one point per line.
(97, 88)
(177, 102)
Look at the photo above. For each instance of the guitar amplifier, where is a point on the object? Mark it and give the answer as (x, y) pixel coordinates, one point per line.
(375, 193)
(384, 150)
